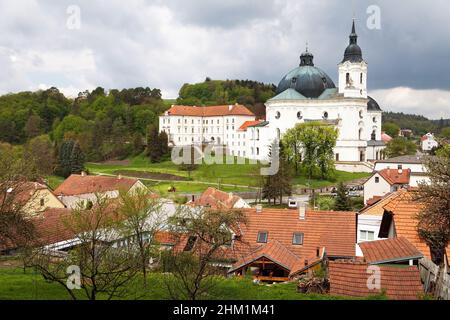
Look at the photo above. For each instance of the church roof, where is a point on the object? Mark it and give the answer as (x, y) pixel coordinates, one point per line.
(353, 52)
(307, 80)
(289, 94)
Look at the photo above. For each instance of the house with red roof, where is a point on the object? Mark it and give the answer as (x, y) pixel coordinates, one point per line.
(384, 182)
(428, 142)
(217, 199)
(84, 188)
(276, 245)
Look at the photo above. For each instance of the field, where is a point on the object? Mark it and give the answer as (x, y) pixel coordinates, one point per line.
(17, 285)
(234, 177)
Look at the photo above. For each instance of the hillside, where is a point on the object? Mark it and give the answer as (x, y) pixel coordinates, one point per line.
(219, 92)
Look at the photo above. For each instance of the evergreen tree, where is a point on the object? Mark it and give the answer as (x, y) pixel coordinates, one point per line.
(77, 159)
(280, 184)
(154, 144)
(164, 143)
(70, 159)
(342, 202)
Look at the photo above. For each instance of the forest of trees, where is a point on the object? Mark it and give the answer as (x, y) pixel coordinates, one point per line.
(419, 124)
(106, 125)
(218, 92)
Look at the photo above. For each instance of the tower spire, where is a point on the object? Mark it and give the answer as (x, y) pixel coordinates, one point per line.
(353, 35)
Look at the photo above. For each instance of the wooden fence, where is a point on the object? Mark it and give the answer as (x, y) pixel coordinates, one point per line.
(435, 282)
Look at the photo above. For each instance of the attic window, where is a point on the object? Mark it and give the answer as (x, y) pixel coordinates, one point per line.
(42, 202)
(294, 80)
(262, 237)
(190, 243)
(297, 238)
(377, 179)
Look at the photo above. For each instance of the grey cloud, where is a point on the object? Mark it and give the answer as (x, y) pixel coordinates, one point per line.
(165, 43)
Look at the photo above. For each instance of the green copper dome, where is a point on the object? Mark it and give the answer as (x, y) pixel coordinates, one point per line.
(307, 79)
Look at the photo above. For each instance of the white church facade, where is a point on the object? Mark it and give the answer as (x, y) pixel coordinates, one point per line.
(305, 94)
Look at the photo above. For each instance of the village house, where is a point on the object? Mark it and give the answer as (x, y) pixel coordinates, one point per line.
(35, 197)
(276, 245)
(400, 220)
(428, 142)
(84, 188)
(216, 199)
(369, 220)
(386, 181)
(414, 163)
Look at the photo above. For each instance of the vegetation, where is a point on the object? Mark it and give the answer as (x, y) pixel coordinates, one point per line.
(400, 147)
(207, 232)
(70, 159)
(391, 129)
(310, 145)
(15, 172)
(279, 184)
(418, 124)
(17, 285)
(434, 219)
(216, 92)
(342, 201)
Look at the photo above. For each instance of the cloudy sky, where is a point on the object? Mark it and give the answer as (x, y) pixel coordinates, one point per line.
(165, 43)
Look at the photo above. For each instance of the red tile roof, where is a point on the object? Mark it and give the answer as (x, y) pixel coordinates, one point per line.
(249, 124)
(213, 111)
(405, 210)
(24, 191)
(216, 199)
(336, 231)
(274, 251)
(352, 278)
(385, 137)
(390, 250)
(78, 184)
(51, 226)
(394, 176)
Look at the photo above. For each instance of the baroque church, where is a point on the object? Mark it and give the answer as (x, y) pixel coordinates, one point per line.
(305, 94)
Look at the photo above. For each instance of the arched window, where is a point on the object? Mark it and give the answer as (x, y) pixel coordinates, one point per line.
(361, 78)
(325, 115)
(361, 114)
(257, 134)
(360, 134)
(277, 115)
(299, 115)
(374, 135)
(374, 119)
(347, 78)
(278, 134)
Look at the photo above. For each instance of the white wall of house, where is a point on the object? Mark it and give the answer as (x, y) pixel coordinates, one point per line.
(429, 143)
(376, 186)
(414, 167)
(74, 201)
(368, 230)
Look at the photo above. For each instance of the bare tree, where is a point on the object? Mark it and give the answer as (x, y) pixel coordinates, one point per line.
(434, 218)
(141, 218)
(203, 237)
(105, 268)
(15, 174)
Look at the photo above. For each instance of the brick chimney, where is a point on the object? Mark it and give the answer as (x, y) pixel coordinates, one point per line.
(302, 211)
(259, 208)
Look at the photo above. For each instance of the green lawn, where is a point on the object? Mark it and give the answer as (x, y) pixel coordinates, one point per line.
(15, 285)
(230, 177)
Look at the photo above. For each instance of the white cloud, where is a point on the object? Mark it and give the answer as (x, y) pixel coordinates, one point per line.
(433, 104)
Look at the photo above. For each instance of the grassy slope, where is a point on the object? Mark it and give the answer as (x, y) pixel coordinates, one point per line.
(237, 174)
(15, 285)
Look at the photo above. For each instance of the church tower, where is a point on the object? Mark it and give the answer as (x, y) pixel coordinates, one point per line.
(353, 70)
